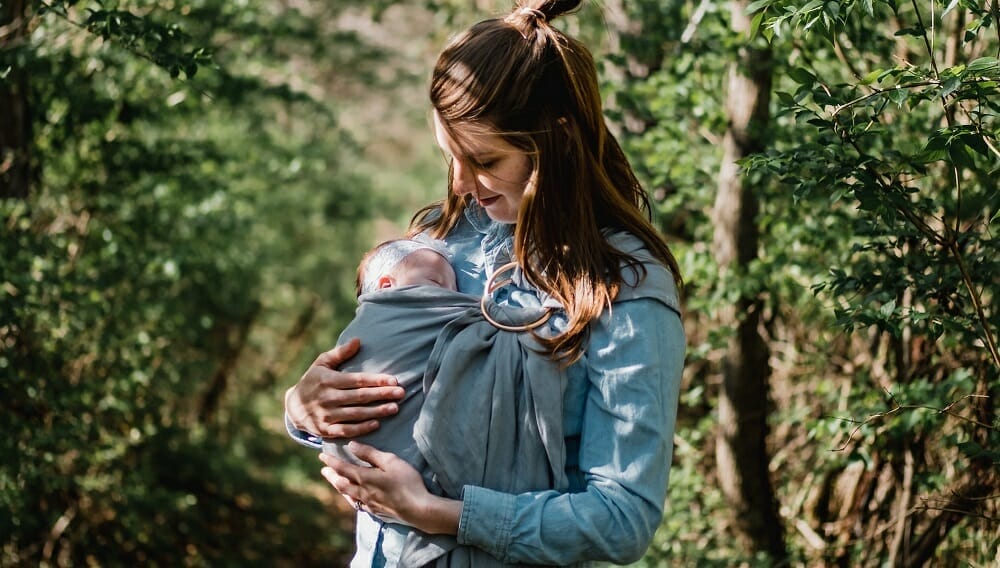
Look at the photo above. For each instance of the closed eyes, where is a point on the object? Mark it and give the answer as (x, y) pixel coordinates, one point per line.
(488, 163)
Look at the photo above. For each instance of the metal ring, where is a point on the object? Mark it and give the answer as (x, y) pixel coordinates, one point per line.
(491, 287)
(359, 506)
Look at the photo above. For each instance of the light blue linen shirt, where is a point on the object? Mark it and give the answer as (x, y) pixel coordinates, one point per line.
(620, 407)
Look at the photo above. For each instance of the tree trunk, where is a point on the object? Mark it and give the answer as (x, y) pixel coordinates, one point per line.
(15, 121)
(741, 449)
(642, 55)
(233, 341)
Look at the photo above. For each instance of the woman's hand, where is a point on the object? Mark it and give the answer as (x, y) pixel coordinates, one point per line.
(332, 404)
(391, 488)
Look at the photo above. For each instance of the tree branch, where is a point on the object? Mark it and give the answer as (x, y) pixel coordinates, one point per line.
(901, 407)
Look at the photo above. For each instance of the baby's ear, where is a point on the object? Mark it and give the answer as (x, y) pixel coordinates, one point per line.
(386, 282)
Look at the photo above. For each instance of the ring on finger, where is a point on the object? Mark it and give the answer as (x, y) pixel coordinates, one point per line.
(359, 506)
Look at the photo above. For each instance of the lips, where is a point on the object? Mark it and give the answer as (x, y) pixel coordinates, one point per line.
(488, 201)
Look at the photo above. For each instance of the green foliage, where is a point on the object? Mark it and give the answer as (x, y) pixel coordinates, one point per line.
(202, 186)
(925, 194)
(877, 268)
(907, 158)
(190, 237)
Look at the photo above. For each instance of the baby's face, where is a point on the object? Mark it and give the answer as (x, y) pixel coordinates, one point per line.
(424, 267)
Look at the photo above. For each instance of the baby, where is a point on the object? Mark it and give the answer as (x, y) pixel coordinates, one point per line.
(468, 368)
(407, 293)
(405, 262)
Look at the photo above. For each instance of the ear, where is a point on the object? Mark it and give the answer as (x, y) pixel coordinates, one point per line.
(386, 282)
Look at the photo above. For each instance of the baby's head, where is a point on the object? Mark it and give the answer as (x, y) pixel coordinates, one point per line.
(404, 262)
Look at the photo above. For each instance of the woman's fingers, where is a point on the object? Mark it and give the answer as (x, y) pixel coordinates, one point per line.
(377, 490)
(347, 414)
(343, 485)
(347, 429)
(379, 459)
(345, 477)
(331, 360)
(336, 392)
(334, 404)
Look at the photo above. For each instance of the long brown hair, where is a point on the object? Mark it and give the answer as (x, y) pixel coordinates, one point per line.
(537, 88)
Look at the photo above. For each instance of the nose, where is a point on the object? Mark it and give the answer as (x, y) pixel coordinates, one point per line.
(463, 179)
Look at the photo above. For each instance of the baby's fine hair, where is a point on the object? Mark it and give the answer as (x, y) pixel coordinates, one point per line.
(387, 255)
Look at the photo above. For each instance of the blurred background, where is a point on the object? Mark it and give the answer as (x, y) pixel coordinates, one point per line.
(186, 187)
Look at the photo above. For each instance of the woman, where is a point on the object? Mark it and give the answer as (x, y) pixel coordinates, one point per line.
(536, 178)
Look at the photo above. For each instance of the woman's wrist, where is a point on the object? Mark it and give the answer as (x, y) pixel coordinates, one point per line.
(439, 515)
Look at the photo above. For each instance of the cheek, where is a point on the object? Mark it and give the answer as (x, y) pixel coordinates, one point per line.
(515, 179)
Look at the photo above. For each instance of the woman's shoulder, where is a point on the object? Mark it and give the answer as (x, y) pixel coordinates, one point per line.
(645, 276)
(629, 244)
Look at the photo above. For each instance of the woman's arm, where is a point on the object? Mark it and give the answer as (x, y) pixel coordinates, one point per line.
(634, 361)
(327, 403)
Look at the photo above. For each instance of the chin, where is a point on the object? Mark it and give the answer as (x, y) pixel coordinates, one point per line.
(504, 217)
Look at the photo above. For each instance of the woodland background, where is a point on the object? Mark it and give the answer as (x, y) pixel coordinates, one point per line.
(186, 186)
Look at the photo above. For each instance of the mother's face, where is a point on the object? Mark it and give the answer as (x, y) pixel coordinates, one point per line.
(485, 166)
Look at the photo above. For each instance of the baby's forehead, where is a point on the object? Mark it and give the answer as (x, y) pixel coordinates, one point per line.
(426, 256)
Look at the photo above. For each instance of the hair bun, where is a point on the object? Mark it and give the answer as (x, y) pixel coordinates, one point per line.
(547, 10)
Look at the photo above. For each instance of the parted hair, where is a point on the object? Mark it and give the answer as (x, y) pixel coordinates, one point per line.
(535, 86)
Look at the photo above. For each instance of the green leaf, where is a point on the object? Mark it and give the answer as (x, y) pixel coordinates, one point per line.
(785, 98)
(984, 65)
(935, 150)
(888, 308)
(960, 156)
(898, 96)
(769, 33)
(811, 6)
(801, 76)
(755, 24)
(872, 77)
(867, 199)
(758, 5)
(975, 142)
(949, 86)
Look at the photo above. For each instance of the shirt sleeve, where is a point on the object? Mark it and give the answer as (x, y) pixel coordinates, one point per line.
(634, 360)
(301, 436)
